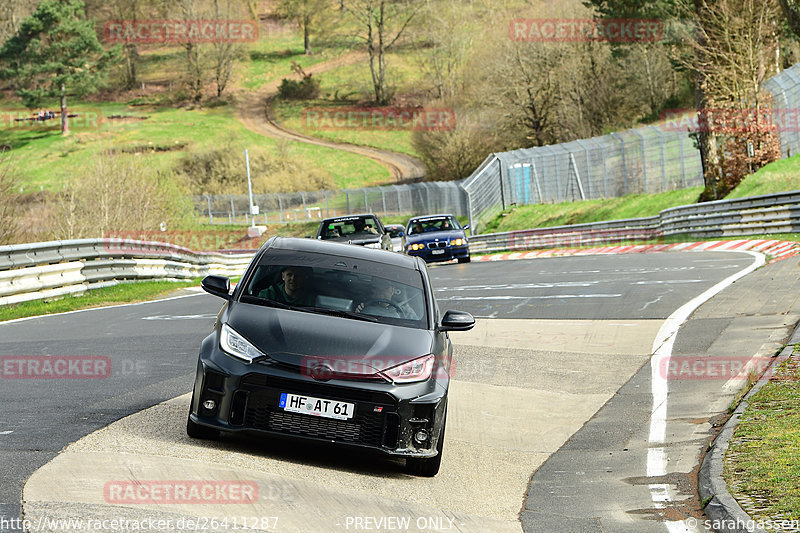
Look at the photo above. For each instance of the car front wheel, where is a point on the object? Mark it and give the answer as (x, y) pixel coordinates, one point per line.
(427, 467)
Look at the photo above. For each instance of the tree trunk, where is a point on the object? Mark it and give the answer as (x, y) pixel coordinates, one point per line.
(306, 36)
(64, 118)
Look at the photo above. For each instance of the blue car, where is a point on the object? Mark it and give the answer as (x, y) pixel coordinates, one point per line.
(437, 238)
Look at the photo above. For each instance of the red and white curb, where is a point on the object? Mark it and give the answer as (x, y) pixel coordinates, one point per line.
(777, 250)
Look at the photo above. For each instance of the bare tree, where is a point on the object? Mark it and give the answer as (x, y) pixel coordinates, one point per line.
(224, 54)
(732, 50)
(446, 39)
(9, 225)
(381, 23)
(119, 193)
(306, 13)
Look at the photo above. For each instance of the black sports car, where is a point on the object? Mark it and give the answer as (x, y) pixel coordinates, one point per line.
(329, 342)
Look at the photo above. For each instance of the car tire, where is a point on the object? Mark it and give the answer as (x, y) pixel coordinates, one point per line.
(463, 259)
(427, 466)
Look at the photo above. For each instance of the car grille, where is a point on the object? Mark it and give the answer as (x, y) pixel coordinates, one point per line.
(366, 427)
(439, 244)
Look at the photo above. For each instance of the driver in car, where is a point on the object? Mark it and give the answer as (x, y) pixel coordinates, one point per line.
(293, 289)
(380, 302)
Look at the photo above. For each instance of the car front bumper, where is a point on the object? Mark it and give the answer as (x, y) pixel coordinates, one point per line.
(386, 417)
(448, 254)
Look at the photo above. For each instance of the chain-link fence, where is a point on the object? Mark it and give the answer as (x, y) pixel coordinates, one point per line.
(785, 89)
(643, 160)
(651, 159)
(426, 197)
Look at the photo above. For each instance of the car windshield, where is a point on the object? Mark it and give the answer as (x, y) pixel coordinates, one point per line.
(394, 231)
(339, 286)
(363, 226)
(426, 225)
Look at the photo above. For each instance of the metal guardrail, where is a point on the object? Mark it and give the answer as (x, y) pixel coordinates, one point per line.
(755, 215)
(52, 269)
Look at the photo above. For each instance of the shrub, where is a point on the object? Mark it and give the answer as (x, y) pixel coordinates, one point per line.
(305, 89)
(120, 193)
(223, 171)
(9, 195)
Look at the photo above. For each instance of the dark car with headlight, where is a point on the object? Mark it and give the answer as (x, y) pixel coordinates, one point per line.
(331, 343)
(363, 229)
(437, 238)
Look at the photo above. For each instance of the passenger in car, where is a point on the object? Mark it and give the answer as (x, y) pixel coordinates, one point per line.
(294, 287)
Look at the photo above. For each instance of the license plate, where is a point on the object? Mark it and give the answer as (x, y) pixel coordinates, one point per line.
(309, 405)
(437, 252)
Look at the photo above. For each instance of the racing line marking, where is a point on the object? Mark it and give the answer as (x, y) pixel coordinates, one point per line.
(662, 352)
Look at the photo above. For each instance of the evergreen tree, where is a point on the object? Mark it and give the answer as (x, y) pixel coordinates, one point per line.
(55, 53)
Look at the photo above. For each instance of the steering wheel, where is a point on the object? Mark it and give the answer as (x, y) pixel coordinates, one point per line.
(384, 301)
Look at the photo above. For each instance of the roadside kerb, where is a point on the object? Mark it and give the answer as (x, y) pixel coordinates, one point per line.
(722, 508)
(777, 250)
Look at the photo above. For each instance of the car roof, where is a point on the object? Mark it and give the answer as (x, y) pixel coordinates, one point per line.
(341, 249)
(348, 217)
(429, 217)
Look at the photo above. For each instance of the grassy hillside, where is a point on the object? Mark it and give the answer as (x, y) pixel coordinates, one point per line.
(780, 176)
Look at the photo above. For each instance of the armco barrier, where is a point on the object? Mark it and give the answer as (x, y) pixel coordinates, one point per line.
(52, 269)
(755, 215)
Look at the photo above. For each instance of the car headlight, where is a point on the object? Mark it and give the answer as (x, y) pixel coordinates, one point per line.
(457, 242)
(416, 246)
(417, 370)
(237, 346)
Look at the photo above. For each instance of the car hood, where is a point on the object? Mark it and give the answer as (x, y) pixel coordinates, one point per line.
(435, 235)
(296, 337)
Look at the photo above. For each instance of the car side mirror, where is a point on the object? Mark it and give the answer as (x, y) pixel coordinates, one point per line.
(466, 226)
(457, 321)
(217, 286)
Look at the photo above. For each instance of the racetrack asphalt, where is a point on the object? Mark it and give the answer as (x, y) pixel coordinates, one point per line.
(559, 326)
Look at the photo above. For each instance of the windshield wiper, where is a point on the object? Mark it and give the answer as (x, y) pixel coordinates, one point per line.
(339, 313)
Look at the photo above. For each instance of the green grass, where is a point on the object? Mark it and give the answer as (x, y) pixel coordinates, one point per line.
(291, 115)
(350, 86)
(630, 206)
(47, 160)
(270, 60)
(122, 293)
(763, 460)
(782, 175)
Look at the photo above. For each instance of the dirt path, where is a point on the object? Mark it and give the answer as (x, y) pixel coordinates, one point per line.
(253, 111)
